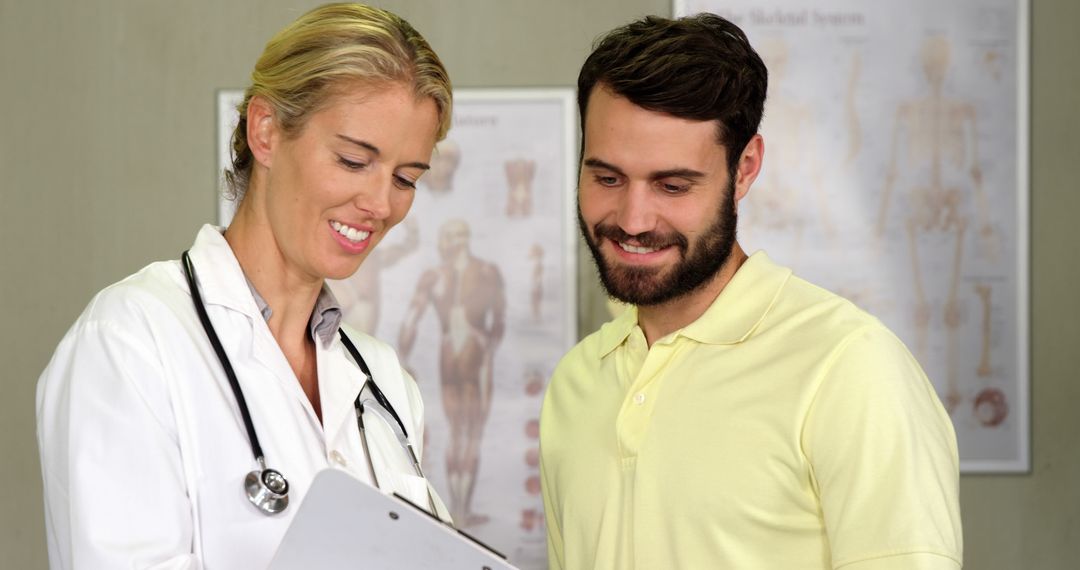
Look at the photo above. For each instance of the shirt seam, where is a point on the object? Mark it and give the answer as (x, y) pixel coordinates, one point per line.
(895, 553)
(841, 349)
(822, 376)
(117, 330)
(819, 381)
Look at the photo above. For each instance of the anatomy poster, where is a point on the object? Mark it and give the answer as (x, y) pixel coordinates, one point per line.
(896, 175)
(475, 290)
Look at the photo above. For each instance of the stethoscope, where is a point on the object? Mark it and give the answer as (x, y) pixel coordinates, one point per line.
(266, 488)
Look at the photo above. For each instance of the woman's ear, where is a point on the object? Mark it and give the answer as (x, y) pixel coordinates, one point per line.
(261, 130)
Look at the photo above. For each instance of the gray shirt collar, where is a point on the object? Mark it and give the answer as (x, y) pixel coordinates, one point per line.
(325, 319)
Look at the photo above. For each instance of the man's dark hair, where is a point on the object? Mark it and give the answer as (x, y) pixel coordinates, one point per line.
(699, 67)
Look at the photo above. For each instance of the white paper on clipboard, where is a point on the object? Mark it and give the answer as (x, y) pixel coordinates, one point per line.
(346, 524)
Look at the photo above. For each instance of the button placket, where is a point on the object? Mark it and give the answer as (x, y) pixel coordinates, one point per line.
(637, 407)
(338, 458)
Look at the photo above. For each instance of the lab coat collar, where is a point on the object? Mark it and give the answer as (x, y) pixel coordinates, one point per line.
(222, 282)
(220, 278)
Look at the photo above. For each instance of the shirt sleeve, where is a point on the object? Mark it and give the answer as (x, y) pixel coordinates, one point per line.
(883, 459)
(114, 486)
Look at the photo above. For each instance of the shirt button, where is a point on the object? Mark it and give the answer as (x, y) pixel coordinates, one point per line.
(338, 458)
(639, 398)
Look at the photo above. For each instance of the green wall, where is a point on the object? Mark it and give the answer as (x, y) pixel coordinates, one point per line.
(107, 156)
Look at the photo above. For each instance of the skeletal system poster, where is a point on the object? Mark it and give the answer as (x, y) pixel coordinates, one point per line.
(475, 289)
(895, 174)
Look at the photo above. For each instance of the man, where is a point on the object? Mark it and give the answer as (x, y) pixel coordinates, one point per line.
(468, 296)
(737, 416)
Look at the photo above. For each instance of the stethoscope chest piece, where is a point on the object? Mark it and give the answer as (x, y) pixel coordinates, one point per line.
(267, 490)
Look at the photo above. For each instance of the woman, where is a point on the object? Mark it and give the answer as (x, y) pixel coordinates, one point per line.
(144, 441)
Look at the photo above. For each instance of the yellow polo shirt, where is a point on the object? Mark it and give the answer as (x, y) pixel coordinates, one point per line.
(784, 429)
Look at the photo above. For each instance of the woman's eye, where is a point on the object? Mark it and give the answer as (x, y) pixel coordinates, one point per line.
(405, 183)
(351, 164)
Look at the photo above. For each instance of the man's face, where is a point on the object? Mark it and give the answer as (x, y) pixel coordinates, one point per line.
(655, 200)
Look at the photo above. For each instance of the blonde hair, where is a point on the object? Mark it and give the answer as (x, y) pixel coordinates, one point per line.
(307, 63)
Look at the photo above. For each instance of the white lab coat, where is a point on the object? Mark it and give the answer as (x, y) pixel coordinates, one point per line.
(143, 448)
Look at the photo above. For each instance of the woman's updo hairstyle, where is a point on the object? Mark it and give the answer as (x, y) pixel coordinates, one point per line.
(328, 50)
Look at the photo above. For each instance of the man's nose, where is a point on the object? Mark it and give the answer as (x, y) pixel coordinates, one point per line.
(636, 211)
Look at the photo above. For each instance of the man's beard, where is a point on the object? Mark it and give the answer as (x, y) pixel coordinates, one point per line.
(645, 286)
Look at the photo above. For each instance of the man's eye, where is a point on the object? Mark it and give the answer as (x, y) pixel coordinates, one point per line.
(606, 180)
(351, 164)
(674, 188)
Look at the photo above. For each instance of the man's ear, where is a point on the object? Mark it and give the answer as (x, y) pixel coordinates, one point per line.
(749, 166)
(261, 130)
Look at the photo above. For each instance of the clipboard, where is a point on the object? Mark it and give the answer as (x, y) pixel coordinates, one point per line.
(346, 524)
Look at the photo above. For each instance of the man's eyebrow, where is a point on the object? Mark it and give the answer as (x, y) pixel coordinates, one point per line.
(597, 163)
(678, 173)
(375, 150)
(688, 173)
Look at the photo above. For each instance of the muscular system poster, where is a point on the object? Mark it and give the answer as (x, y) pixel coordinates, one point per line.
(475, 290)
(896, 175)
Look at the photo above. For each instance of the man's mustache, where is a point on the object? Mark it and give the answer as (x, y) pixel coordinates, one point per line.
(645, 239)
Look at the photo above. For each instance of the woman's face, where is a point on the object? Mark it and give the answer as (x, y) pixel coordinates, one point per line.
(334, 189)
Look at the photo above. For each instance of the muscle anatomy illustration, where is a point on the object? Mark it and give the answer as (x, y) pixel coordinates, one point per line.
(444, 164)
(360, 295)
(519, 180)
(468, 296)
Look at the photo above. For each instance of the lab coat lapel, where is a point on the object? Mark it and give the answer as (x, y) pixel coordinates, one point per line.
(268, 355)
(222, 283)
(340, 381)
(387, 372)
(221, 280)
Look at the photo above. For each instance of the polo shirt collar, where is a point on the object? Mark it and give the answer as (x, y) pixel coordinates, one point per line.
(742, 304)
(732, 316)
(615, 332)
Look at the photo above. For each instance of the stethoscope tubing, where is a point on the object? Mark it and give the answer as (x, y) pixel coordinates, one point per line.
(375, 391)
(200, 308)
(267, 488)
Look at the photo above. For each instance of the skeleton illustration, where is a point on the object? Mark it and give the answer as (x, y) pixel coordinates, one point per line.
(984, 360)
(777, 204)
(990, 405)
(941, 137)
